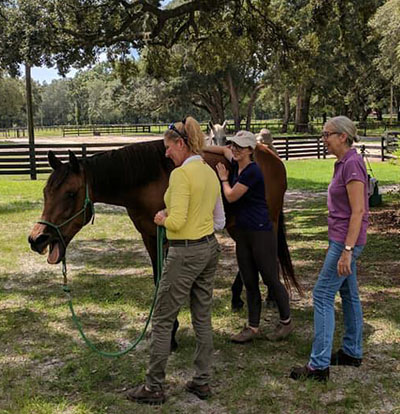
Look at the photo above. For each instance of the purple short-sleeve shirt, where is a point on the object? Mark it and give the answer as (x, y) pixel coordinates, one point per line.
(351, 167)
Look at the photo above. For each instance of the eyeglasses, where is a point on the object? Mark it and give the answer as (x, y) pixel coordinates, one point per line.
(327, 134)
(183, 135)
(236, 147)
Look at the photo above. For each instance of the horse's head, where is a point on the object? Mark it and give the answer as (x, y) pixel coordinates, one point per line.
(217, 133)
(66, 209)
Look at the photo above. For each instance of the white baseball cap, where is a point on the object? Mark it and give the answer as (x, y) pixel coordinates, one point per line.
(244, 139)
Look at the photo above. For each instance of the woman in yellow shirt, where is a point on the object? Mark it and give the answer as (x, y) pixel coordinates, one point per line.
(193, 210)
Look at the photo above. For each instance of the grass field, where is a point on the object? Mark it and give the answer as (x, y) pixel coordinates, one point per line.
(46, 369)
(315, 175)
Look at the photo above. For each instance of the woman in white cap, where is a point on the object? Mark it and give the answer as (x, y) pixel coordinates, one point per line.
(256, 246)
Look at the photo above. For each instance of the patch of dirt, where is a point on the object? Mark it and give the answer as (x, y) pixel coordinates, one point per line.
(386, 219)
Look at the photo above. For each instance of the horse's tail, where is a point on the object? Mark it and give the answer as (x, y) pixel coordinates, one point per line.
(285, 260)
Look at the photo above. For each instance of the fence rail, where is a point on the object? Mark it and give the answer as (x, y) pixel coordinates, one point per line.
(364, 127)
(15, 158)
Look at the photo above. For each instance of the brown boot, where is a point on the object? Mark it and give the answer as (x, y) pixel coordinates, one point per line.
(202, 391)
(142, 395)
(245, 335)
(281, 331)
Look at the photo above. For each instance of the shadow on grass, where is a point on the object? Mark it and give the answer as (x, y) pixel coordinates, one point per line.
(110, 253)
(19, 207)
(60, 365)
(307, 184)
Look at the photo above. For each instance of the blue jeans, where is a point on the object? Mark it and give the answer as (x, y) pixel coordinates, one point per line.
(324, 311)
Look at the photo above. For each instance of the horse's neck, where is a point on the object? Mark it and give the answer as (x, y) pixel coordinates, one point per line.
(128, 194)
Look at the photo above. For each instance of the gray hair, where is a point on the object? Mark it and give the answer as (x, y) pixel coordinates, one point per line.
(344, 125)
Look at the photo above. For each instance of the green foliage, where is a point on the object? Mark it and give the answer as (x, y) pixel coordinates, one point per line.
(209, 58)
(386, 23)
(12, 102)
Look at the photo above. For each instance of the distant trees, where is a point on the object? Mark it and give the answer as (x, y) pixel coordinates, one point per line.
(13, 102)
(386, 23)
(215, 59)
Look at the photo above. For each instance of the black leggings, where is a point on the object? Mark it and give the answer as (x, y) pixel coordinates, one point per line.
(256, 251)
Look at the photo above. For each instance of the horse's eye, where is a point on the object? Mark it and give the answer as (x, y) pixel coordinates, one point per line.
(71, 194)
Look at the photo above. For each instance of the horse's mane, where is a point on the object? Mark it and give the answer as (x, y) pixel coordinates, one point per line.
(132, 166)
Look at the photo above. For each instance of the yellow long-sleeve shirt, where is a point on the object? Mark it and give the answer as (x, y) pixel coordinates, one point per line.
(190, 199)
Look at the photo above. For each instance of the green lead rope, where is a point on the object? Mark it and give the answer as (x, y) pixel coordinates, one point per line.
(89, 343)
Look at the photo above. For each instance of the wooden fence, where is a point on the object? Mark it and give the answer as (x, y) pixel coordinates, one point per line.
(364, 128)
(300, 147)
(15, 159)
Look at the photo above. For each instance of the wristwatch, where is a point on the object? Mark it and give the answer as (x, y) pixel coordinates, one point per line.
(348, 248)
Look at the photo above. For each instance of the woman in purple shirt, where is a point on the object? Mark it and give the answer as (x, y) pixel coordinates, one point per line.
(347, 230)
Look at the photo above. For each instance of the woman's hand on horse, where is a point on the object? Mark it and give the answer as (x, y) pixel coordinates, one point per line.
(223, 173)
(160, 217)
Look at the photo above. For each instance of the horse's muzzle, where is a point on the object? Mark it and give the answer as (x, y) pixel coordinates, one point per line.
(39, 243)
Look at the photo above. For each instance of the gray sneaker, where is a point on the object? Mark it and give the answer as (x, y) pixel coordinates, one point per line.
(281, 331)
(245, 335)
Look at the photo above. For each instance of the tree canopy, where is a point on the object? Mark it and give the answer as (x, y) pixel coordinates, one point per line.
(73, 32)
(231, 58)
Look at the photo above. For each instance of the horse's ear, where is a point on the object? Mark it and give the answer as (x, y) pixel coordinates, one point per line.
(211, 125)
(53, 160)
(73, 161)
(224, 124)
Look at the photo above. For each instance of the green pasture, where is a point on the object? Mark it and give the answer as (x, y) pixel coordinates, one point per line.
(315, 175)
(46, 369)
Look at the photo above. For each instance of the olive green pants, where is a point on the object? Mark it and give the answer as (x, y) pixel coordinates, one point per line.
(188, 274)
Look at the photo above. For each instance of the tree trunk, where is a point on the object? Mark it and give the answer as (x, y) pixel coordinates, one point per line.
(29, 111)
(397, 106)
(234, 101)
(212, 102)
(77, 113)
(302, 108)
(286, 111)
(250, 105)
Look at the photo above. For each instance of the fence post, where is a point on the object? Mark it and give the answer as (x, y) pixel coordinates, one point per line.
(31, 130)
(318, 147)
(287, 148)
(84, 150)
(382, 148)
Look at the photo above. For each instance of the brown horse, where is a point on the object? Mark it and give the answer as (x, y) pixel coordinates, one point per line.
(136, 177)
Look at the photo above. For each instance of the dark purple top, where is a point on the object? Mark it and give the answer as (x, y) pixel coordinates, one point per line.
(351, 167)
(251, 211)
